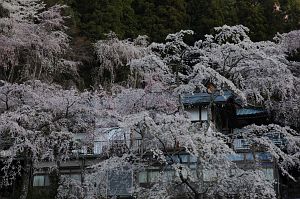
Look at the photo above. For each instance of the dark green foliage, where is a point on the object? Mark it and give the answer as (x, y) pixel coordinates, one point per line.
(95, 18)
(157, 18)
(252, 15)
(292, 11)
(205, 15)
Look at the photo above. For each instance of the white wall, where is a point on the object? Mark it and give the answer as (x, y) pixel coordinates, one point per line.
(194, 114)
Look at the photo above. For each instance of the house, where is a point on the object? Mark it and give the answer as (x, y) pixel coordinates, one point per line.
(218, 107)
(224, 110)
(88, 150)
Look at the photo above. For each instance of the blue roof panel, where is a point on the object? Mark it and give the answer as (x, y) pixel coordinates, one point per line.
(250, 111)
(205, 98)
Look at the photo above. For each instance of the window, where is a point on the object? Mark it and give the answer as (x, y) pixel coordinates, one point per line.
(180, 158)
(98, 147)
(193, 114)
(193, 159)
(197, 113)
(83, 150)
(269, 173)
(236, 157)
(240, 144)
(249, 156)
(153, 176)
(263, 156)
(76, 176)
(276, 137)
(175, 159)
(204, 114)
(41, 181)
(184, 158)
(143, 177)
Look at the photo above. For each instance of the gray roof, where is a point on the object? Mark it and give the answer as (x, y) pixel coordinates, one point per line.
(250, 111)
(205, 98)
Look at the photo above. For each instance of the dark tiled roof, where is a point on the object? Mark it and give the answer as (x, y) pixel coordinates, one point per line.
(248, 111)
(205, 98)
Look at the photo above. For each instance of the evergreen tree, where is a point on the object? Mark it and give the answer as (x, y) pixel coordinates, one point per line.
(272, 11)
(291, 15)
(208, 14)
(158, 18)
(251, 14)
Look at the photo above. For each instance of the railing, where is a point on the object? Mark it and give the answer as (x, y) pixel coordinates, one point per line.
(241, 144)
(106, 147)
(120, 146)
(274, 136)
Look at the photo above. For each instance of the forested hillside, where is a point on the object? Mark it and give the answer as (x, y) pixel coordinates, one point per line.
(157, 18)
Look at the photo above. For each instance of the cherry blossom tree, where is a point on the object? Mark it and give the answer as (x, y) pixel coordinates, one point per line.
(113, 53)
(164, 134)
(289, 41)
(162, 138)
(33, 42)
(37, 124)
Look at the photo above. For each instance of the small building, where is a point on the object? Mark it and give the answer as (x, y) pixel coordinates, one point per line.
(218, 108)
(225, 111)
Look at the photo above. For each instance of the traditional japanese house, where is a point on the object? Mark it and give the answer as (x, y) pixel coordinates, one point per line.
(218, 108)
(224, 110)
